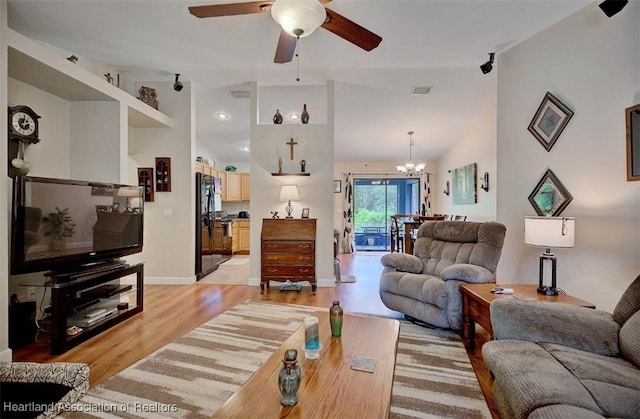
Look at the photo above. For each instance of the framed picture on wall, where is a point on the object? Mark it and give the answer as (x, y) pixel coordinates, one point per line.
(632, 116)
(549, 121)
(549, 197)
(337, 186)
(465, 185)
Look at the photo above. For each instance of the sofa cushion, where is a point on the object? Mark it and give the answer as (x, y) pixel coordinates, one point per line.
(591, 366)
(629, 303)
(556, 411)
(534, 377)
(630, 339)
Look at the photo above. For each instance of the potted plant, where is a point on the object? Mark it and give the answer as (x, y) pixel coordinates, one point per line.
(59, 225)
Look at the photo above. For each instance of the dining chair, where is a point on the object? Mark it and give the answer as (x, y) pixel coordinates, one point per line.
(396, 234)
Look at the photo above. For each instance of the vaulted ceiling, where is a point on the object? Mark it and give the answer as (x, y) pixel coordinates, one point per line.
(430, 43)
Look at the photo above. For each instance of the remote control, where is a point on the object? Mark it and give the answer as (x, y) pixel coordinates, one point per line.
(95, 312)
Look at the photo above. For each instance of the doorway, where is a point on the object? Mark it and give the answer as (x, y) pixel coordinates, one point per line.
(375, 201)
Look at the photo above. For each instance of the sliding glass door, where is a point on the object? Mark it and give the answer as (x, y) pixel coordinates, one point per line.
(375, 201)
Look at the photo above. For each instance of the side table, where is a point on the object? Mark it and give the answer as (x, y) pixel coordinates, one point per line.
(476, 299)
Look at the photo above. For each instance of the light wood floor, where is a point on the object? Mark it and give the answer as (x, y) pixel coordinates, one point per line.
(170, 311)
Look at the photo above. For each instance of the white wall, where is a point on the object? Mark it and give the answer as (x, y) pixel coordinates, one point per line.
(5, 352)
(315, 145)
(50, 157)
(478, 145)
(591, 63)
(169, 221)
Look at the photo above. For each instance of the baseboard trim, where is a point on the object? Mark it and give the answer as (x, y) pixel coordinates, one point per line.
(160, 280)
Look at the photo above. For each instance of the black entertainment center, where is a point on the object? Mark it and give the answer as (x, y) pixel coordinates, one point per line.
(90, 291)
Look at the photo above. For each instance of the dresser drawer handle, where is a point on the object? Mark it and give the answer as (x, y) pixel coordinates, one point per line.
(272, 270)
(304, 246)
(304, 271)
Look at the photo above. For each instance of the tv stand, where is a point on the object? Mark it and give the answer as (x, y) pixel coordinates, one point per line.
(81, 271)
(68, 290)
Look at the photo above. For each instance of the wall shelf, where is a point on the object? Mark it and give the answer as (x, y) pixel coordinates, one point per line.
(33, 64)
(291, 174)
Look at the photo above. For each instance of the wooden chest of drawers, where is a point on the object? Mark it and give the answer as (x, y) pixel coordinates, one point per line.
(288, 251)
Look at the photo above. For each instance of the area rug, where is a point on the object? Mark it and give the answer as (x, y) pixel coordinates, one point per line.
(194, 375)
(236, 260)
(347, 279)
(234, 273)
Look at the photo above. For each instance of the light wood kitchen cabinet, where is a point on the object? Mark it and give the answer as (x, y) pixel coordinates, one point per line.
(236, 237)
(244, 237)
(233, 187)
(245, 186)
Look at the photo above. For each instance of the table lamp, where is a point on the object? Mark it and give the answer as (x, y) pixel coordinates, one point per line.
(289, 193)
(129, 193)
(549, 232)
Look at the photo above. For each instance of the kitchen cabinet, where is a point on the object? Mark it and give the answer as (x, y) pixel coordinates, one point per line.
(233, 186)
(245, 186)
(243, 238)
(236, 238)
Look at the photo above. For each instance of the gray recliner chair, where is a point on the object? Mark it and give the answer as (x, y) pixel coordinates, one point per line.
(425, 285)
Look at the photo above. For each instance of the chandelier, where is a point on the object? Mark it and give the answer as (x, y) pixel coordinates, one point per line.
(410, 168)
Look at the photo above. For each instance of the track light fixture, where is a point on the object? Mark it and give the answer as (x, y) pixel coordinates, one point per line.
(611, 7)
(488, 66)
(177, 86)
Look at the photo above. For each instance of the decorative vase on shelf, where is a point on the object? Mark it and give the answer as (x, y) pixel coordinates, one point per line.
(335, 318)
(304, 116)
(277, 118)
(289, 378)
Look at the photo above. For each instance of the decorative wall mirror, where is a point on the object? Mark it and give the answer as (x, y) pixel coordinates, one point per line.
(632, 116)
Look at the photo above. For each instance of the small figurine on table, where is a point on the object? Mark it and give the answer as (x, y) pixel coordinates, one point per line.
(279, 164)
(303, 166)
(274, 214)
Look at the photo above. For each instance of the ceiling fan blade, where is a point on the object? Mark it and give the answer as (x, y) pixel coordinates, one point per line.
(286, 48)
(230, 9)
(350, 31)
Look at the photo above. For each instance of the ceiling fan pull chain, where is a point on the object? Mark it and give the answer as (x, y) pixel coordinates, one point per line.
(298, 59)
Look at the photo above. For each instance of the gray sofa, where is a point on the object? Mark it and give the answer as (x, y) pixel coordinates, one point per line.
(426, 285)
(559, 361)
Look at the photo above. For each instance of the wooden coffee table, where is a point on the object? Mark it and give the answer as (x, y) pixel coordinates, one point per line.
(477, 297)
(329, 387)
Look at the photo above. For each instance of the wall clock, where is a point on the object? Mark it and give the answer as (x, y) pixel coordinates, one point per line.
(23, 124)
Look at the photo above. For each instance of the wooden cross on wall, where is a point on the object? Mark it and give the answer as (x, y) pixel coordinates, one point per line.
(291, 143)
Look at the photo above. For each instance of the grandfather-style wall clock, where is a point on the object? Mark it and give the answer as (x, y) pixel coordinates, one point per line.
(23, 124)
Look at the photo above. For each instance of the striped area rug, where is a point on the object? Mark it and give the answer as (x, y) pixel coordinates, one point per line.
(194, 375)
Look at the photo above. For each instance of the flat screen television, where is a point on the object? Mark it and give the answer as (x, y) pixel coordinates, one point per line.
(104, 221)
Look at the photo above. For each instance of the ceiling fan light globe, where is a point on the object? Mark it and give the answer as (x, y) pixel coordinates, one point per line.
(420, 167)
(298, 18)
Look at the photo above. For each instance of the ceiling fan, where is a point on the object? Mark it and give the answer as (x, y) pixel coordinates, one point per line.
(298, 18)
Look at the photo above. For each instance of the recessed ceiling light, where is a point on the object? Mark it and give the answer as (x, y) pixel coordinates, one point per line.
(222, 116)
(294, 116)
(245, 148)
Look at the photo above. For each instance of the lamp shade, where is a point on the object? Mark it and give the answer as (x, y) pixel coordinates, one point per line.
(289, 193)
(549, 231)
(298, 18)
(129, 192)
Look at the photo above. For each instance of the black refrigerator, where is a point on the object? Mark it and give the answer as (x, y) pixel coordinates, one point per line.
(213, 240)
